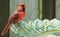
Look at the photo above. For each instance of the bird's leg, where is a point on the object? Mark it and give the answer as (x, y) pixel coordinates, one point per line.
(18, 24)
(15, 25)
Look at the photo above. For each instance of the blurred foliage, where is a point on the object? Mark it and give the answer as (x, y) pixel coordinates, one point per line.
(36, 28)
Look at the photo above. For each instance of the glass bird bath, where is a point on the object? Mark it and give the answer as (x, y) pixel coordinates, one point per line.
(37, 28)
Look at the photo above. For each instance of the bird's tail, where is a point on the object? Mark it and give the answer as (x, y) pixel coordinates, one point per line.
(5, 30)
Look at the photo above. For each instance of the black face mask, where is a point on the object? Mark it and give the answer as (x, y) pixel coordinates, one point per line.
(23, 8)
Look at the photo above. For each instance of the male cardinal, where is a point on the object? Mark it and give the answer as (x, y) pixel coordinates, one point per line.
(17, 16)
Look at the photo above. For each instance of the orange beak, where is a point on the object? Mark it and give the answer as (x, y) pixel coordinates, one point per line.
(25, 5)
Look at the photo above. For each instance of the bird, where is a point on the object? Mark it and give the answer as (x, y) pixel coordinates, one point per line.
(16, 16)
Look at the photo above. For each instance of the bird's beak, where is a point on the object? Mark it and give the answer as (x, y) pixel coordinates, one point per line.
(25, 5)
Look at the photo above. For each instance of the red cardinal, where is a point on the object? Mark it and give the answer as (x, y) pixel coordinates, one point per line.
(17, 16)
